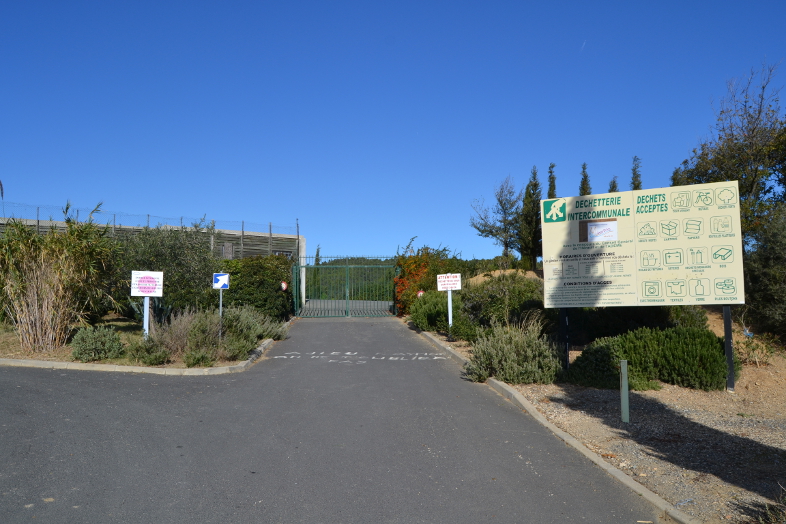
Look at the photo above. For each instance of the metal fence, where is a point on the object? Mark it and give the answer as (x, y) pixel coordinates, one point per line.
(229, 238)
(344, 287)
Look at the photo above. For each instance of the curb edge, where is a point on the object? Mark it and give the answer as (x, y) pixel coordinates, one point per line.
(521, 402)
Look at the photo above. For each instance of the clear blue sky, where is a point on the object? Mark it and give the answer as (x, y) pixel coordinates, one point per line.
(371, 122)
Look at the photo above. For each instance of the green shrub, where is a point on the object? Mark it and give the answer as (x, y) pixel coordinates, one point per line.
(506, 298)
(185, 257)
(96, 343)
(201, 338)
(688, 357)
(687, 316)
(204, 331)
(194, 336)
(243, 328)
(692, 358)
(517, 354)
(172, 335)
(588, 324)
(430, 313)
(256, 281)
(199, 358)
(765, 275)
(147, 352)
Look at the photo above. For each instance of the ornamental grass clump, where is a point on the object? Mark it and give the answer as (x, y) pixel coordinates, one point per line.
(54, 281)
(515, 353)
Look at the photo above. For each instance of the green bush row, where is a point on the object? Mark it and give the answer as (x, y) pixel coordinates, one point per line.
(683, 356)
(199, 338)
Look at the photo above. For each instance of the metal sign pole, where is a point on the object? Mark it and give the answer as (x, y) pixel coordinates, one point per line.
(563, 334)
(220, 313)
(729, 348)
(450, 308)
(146, 316)
(624, 401)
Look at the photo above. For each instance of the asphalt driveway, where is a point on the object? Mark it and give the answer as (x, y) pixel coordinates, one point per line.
(349, 420)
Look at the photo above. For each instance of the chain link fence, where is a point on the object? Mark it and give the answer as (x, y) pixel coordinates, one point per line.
(229, 238)
(49, 214)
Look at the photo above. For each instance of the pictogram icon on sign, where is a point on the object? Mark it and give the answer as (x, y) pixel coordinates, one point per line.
(220, 280)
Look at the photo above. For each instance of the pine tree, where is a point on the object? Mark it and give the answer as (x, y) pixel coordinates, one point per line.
(748, 145)
(613, 185)
(584, 188)
(552, 181)
(499, 223)
(529, 235)
(635, 179)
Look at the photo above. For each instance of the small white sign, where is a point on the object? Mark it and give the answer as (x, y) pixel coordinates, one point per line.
(220, 280)
(602, 232)
(449, 282)
(147, 283)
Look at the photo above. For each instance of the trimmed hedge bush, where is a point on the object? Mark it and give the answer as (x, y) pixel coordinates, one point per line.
(96, 343)
(687, 357)
(256, 281)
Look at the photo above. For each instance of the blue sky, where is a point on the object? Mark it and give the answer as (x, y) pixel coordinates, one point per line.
(369, 122)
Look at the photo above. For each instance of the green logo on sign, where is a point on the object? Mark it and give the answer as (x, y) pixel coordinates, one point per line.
(554, 210)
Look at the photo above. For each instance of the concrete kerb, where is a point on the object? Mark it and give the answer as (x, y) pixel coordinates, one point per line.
(45, 364)
(510, 393)
(253, 356)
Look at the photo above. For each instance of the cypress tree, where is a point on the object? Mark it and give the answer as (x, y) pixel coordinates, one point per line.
(584, 188)
(552, 181)
(635, 180)
(529, 232)
(613, 185)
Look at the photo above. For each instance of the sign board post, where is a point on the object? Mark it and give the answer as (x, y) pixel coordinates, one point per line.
(678, 245)
(147, 284)
(220, 282)
(448, 282)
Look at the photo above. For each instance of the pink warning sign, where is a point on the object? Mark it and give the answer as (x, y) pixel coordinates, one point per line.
(147, 283)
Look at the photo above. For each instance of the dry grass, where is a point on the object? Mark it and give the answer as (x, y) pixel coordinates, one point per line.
(41, 303)
(130, 331)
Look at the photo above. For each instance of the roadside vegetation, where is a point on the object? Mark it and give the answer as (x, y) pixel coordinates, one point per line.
(70, 290)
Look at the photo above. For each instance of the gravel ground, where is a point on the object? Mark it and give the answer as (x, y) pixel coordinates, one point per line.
(718, 466)
(717, 456)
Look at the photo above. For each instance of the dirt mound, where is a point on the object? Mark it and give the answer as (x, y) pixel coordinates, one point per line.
(485, 276)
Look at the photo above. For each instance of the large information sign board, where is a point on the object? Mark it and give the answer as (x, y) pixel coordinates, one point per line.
(666, 246)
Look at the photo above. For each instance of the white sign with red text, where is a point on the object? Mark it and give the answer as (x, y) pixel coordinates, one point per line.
(147, 283)
(449, 282)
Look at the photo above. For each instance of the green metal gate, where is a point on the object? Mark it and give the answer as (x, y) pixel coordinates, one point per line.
(344, 287)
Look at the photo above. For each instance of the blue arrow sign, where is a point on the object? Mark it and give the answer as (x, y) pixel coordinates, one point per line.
(220, 280)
